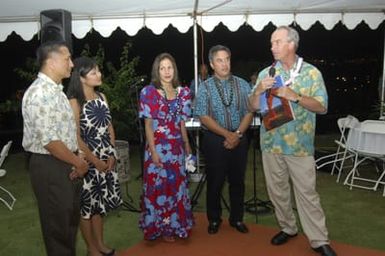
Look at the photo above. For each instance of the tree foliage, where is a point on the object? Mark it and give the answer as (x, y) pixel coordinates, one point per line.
(121, 85)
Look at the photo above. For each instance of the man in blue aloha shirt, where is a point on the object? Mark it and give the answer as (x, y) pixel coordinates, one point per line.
(222, 107)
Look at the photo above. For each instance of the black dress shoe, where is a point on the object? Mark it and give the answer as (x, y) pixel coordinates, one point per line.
(325, 250)
(281, 238)
(240, 226)
(213, 227)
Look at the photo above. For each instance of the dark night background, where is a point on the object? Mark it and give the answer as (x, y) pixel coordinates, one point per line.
(350, 60)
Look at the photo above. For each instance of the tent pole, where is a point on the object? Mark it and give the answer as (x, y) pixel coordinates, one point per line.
(195, 35)
(382, 104)
(195, 39)
(195, 29)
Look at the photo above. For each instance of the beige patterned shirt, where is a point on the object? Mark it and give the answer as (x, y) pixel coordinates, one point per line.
(47, 116)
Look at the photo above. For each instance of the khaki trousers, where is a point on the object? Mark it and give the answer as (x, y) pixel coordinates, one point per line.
(279, 171)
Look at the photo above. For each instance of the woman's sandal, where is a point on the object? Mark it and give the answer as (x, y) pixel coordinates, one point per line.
(110, 253)
(169, 239)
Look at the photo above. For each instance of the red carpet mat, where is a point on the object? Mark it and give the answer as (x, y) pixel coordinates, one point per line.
(229, 242)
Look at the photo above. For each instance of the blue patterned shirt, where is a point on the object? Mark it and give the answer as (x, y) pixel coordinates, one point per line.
(209, 103)
(296, 137)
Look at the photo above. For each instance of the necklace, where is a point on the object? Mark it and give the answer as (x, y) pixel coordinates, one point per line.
(165, 94)
(294, 72)
(173, 106)
(221, 91)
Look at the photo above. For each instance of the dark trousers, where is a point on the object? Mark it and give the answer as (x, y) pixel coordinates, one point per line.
(221, 163)
(58, 200)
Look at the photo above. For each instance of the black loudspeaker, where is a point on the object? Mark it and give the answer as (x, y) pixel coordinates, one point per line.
(56, 26)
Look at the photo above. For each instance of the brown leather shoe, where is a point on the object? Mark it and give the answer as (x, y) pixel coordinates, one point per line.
(281, 238)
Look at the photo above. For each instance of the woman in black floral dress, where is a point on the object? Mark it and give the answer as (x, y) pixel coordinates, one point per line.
(96, 138)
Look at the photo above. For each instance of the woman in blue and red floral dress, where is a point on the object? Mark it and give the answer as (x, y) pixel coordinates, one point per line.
(165, 106)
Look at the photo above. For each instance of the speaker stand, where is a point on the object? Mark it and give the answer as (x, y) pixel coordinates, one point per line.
(128, 205)
(255, 205)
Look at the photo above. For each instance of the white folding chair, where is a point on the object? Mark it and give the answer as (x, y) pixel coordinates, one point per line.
(11, 199)
(367, 142)
(338, 158)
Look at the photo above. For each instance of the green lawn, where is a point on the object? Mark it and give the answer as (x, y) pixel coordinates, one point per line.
(355, 216)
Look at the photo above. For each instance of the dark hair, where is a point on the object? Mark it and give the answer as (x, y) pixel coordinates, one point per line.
(155, 77)
(82, 66)
(44, 51)
(217, 48)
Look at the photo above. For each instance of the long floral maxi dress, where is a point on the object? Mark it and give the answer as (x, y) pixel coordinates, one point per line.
(166, 206)
(101, 190)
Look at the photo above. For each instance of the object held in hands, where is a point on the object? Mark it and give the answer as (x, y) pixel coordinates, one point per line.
(191, 162)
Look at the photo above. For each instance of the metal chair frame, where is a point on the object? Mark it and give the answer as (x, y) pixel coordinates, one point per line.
(367, 142)
(342, 154)
(4, 154)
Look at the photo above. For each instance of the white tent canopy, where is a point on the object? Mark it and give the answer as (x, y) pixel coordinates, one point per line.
(104, 16)
(23, 17)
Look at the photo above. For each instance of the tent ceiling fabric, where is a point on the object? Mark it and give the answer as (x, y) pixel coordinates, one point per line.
(105, 16)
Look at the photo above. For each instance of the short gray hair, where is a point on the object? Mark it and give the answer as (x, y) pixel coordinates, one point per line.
(292, 35)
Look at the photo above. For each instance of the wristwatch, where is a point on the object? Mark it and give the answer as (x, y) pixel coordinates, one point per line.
(299, 98)
(239, 133)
